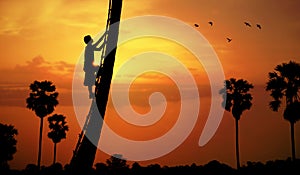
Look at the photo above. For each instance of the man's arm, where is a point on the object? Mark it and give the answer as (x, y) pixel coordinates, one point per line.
(99, 48)
(100, 39)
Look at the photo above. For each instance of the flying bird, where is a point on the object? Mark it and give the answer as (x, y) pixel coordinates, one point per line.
(228, 39)
(258, 26)
(247, 24)
(211, 23)
(196, 25)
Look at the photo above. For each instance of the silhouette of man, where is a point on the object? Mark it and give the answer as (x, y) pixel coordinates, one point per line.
(89, 68)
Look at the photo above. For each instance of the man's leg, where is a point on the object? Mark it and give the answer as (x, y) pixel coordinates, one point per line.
(90, 92)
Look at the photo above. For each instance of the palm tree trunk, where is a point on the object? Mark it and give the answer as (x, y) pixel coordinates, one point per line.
(40, 143)
(293, 141)
(54, 156)
(237, 143)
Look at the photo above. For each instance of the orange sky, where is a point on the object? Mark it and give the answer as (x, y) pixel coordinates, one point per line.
(43, 40)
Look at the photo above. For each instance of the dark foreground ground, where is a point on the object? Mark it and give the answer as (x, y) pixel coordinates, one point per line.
(276, 167)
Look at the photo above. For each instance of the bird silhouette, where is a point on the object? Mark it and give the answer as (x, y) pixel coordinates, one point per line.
(229, 39)
(258, 26)
(211, 23)
(247, 24)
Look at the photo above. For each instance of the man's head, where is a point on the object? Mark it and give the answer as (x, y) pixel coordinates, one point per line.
(87, 39)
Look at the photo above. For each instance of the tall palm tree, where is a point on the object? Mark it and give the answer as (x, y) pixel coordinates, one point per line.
(42, 100)
(58, 127)
(284, 86)
(237, 100)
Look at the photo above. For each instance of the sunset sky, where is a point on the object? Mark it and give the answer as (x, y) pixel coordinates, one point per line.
(43, 40)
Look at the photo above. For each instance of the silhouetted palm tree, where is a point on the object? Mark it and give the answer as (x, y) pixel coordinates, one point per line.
(7, 144)
(58, 127)
(237, 100)
(284, 85)
(42, 100)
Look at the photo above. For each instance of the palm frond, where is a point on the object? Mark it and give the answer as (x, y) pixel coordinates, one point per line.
(274, 105)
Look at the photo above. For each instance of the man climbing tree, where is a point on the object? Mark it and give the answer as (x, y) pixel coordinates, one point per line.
(89, 67)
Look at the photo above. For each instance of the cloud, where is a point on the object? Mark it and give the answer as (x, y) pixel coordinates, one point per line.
(9, 27)
(140, 93)
(14, 82)
(19, 18)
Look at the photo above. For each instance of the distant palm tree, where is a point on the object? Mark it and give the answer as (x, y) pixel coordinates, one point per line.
(284, 85)
(116, 164)
(237, 100)
(42, 100)
(58, 127)
(7, 145)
